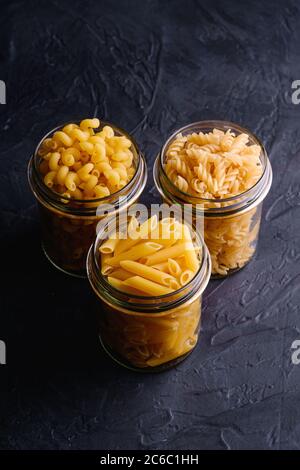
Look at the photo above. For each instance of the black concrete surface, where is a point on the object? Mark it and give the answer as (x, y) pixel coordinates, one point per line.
(150, 67)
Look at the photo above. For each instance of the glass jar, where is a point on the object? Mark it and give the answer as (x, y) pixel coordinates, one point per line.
(231, 225)
(147, 333)
(69, 225)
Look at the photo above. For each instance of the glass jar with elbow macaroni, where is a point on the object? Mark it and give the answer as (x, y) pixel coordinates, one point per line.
(149, 278)
(223, 172)
(79, 173)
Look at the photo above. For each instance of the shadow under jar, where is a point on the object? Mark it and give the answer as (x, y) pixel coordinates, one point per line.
(148, 333)
(231, 224)
(68, 226)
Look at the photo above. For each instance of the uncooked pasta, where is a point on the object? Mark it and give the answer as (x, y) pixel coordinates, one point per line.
(231, 241)
(152, 340)
(79, 173)
(80, 161)
(159, 260)
(213, 167)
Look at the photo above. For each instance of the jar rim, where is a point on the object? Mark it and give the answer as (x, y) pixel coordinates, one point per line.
(62, 202)
(200, 281)
(103, 199)
(212, 124)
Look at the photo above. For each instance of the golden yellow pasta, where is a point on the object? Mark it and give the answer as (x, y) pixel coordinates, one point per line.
(105, 268)
(101, 161)
(167, 253)
(173, 266)
(49, 179)
(130, 266)
(80, 173)
(147, 272)
(215, 166)
(109, 245)
(139, 251)
(150, 288)
(61, 174)
(151, 341)
(137, 233)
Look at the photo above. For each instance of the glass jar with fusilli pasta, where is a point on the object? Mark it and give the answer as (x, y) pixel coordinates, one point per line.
(80, 173)
(149, 287)
(222, 172)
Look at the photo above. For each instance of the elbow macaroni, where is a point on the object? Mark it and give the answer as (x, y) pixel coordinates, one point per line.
(101, 160)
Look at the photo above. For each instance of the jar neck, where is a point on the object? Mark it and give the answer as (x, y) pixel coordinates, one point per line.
(213, 207)
(142, 304)
(113, 203)
(93, 207)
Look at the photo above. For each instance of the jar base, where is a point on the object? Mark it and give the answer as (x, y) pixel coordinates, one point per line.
(144, 370)
(80, 274)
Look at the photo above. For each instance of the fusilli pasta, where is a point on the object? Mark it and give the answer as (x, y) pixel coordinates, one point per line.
(218, 165)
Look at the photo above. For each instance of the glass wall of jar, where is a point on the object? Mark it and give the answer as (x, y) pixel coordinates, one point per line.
(68, 226)
(231, 224)
(148, 333)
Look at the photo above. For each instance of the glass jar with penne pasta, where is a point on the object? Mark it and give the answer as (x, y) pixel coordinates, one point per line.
(149, 278)
(80, 173)
(222, 172)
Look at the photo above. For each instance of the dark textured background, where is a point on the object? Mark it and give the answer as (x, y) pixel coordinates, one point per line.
(150, 67)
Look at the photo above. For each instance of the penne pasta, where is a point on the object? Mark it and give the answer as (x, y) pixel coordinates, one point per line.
(173, 284)
(140, 250)
(147, 272)
(136, 235)
(163, 255)
(121, 274)
(162, 267)
(190, 254)
(174, 267)
(150, 269)
(146, 286)
(117, 284)
(186, 276)
(109, 245)
(105, 268)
